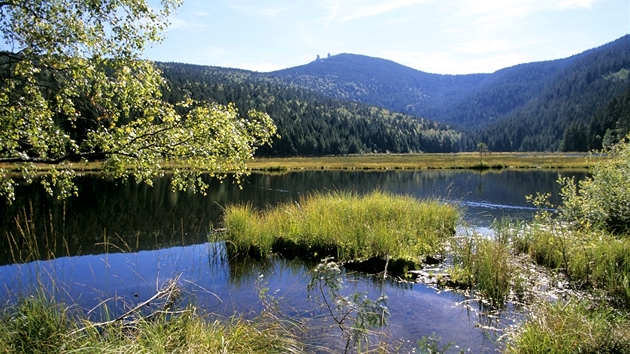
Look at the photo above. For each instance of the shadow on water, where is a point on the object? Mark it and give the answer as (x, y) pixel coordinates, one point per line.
(116, 244)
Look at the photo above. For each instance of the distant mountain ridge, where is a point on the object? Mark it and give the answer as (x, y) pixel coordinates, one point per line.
(524, 107)
(378, 82)
(384, 83)
(351, 103)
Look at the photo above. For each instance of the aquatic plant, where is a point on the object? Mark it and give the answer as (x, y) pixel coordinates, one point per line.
(483, 265)
(354, 314)
(574, 326)
(343, 225)
(39, 325)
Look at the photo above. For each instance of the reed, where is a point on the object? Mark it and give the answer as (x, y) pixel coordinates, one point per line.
(483, 265)
(343, 225)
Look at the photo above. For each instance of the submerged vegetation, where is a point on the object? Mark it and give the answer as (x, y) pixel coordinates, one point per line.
(346, 226)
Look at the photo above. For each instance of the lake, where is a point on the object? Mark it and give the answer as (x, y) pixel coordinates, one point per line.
(120, 242)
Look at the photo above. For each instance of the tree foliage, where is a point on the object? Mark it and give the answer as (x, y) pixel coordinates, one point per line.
(74, 87)
(603, 200)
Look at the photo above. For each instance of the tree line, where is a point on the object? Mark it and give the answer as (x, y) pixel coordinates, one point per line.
(308, 123)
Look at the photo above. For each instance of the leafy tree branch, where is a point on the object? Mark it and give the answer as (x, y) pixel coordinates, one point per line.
(74, 87)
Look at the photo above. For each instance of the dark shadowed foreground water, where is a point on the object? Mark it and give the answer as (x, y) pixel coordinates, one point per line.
(121, 242)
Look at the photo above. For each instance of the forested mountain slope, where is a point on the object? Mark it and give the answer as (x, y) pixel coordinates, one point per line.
(464, 101)
(557, 119)
(331, 106)
(379, 82)
(309, 123)
(529, 107)
(610, 124)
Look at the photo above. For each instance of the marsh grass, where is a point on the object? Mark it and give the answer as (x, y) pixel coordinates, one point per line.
(343, 225)
(493, 160)
(483, 265)
(38, 325)
(572, 326)
(594, 261)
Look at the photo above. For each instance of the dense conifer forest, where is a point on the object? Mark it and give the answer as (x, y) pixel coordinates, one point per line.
(543, 106)
(349, 104)
(309, 123)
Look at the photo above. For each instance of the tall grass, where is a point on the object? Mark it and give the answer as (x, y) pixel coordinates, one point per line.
(37, 325)
(572, 327)
(590, 260)
(483, 265)
(343, 225)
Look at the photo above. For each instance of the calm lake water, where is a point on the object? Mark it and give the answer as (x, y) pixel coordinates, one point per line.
(120, 242)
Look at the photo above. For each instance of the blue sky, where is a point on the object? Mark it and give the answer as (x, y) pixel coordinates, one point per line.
(436, 36)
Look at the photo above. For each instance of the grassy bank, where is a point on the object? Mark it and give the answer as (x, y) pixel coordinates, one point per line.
(572, 284)
(426, 161)
(37, 325)
(345, 226)
(578, 300)
(465, 160)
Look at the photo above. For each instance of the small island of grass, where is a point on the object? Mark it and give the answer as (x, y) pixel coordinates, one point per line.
(345, 226)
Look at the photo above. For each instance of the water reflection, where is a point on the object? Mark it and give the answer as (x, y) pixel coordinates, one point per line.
(119, 243)
(110, 217)
(223, 287)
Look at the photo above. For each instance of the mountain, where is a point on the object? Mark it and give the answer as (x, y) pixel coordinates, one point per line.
(309, 123)
(611, 123)
(351, 103)
(379, 82)
(558, 117)
(526, 107)
(464, 101)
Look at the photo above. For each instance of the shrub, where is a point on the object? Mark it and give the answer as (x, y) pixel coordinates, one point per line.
(603, 200)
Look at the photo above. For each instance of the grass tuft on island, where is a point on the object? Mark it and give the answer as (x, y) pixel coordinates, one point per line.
(343, 225)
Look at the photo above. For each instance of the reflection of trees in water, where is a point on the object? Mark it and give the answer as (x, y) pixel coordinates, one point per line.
(107, 216)
(132, 217)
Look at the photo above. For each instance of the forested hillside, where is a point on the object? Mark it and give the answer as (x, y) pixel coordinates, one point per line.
(379, 82)
(347, 104)
(309, 123)
(558, 118)
(463, 101)
(610, 124)
(497, 96)
(529, 107)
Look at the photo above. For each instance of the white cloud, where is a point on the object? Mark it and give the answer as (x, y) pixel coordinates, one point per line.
(576, 3)
(355, 9)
